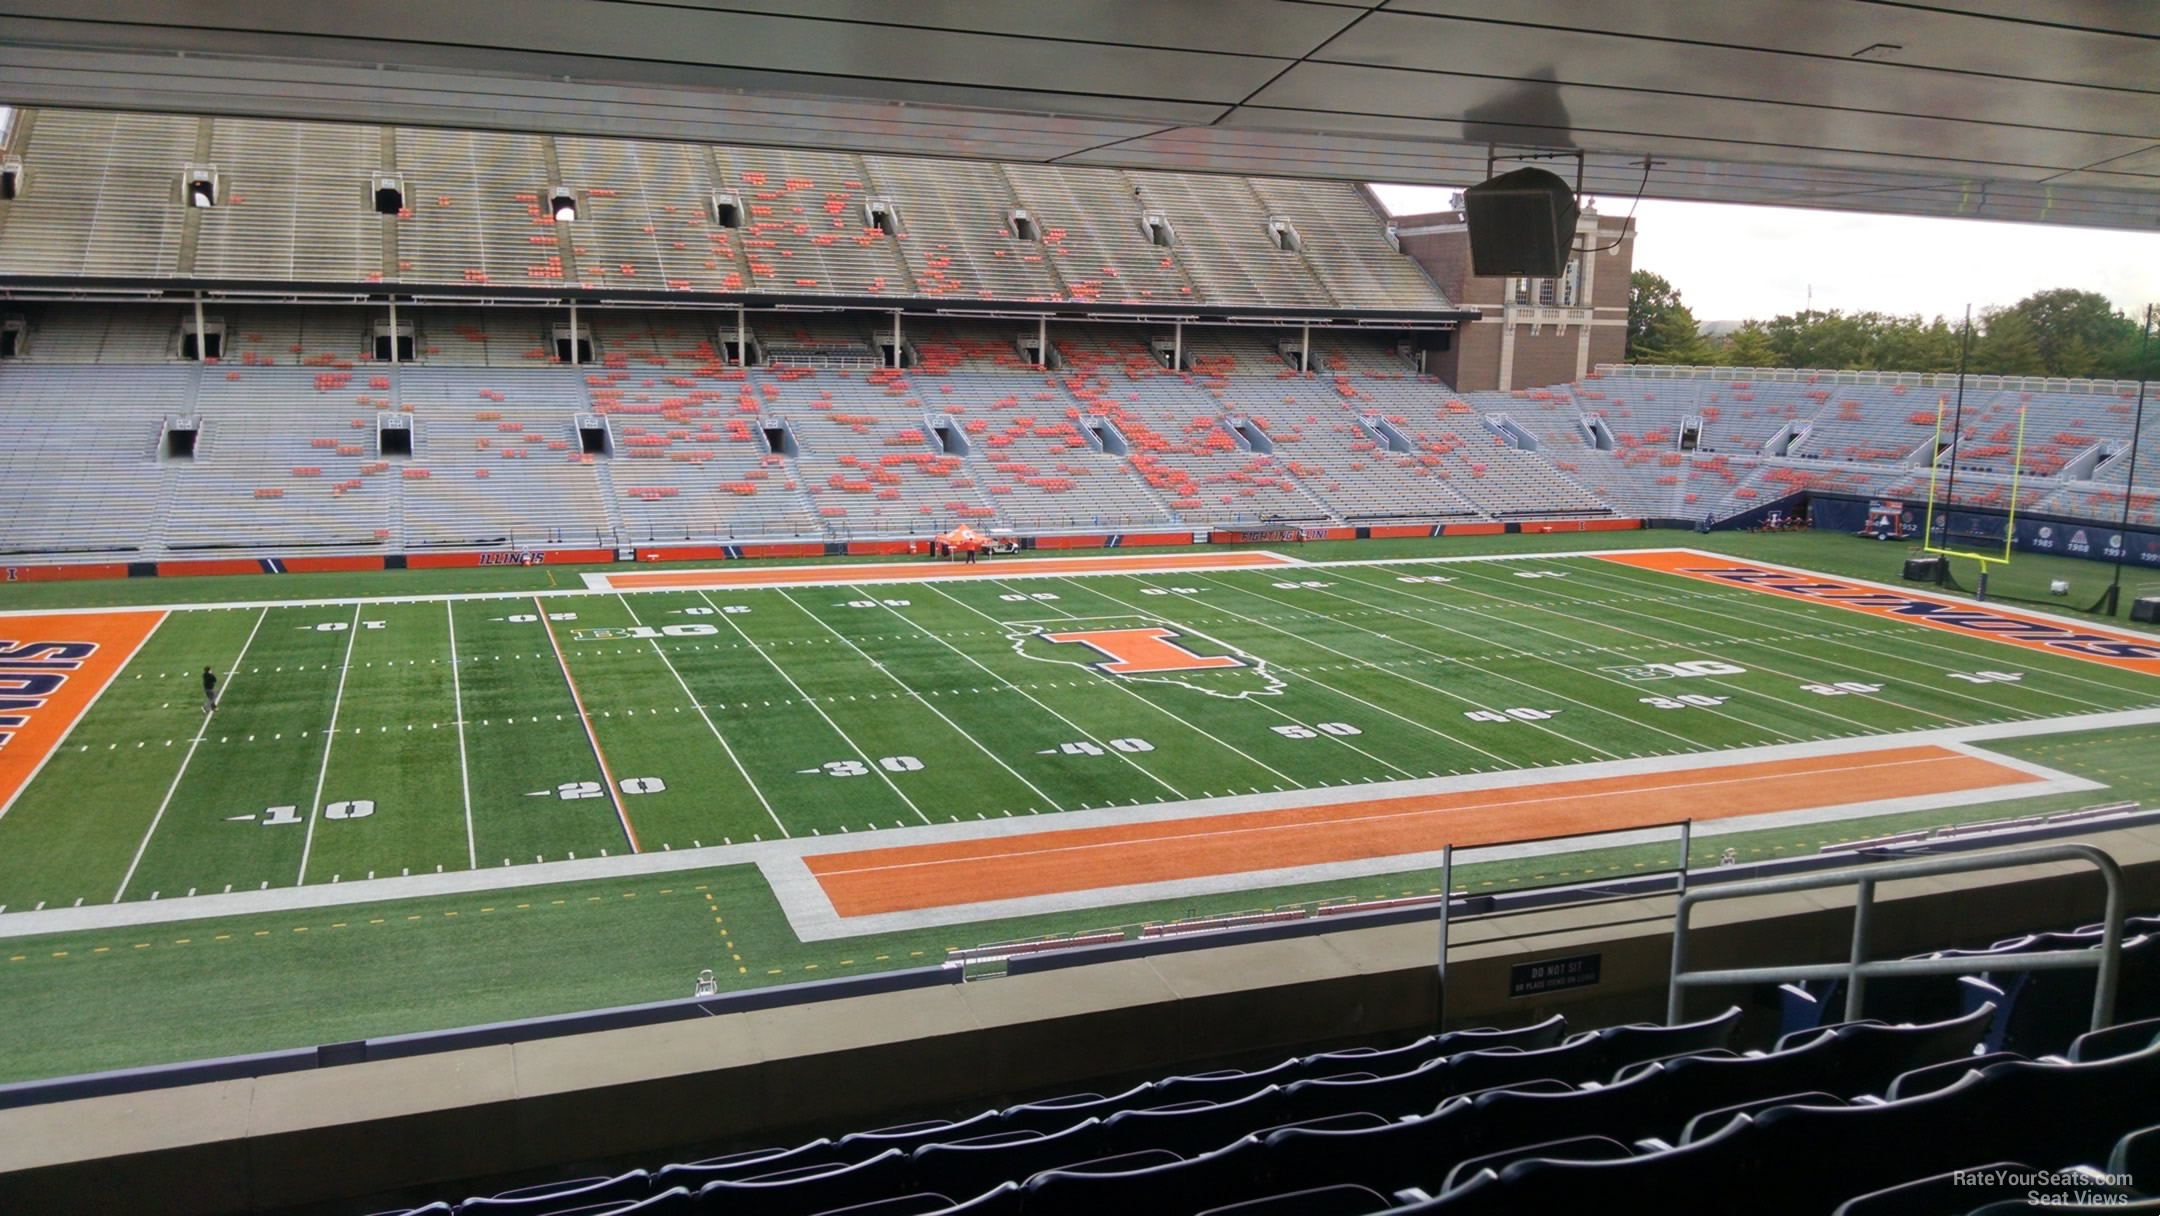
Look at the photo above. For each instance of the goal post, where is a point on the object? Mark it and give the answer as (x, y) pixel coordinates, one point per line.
(1938, 543)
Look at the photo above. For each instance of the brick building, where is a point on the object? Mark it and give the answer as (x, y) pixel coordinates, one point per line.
(1535, 331)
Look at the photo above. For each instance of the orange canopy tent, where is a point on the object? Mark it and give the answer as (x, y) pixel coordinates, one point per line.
(964, 538)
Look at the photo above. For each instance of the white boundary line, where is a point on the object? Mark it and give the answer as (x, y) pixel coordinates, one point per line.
(54, 750)
(592, 735)
(922, 570)
(315, 809)
(813, 919)
(464, 772)
(232, 673)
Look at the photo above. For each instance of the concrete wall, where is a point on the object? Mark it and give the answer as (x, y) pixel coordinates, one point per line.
(472, 1121)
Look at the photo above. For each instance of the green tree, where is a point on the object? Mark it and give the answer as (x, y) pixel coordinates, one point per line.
(1749, 346)
(1661, 329)
(1908, 344)
(1824, 339)
(2072, 328)
(2008, 345)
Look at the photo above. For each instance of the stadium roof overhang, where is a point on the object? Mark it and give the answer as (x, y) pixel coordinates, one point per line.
(233, 291)
(2035, 110)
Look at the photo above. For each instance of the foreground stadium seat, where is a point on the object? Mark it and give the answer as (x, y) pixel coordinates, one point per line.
(810, 1189)
(1578, 1148)
(2117, 1040)
(907, 1137)
(919, 1204)
(1320, 1201)
(1227, 1084)
(1191, 1128)
(2137, 1156)
(743, 1165)
(675, 1201)
(1053, 1113)
(1129, 1184)
(1954, 1191)
(1927, 1080)
(558, 1196)
(1002, 1200)
(975, 1165)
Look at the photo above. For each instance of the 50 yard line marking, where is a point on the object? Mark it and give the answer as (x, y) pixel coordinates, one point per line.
(231, 673)
(578, 702)
(457, 693)
(307, 846)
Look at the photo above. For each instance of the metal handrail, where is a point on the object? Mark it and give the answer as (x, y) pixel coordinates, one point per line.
(1856, 971)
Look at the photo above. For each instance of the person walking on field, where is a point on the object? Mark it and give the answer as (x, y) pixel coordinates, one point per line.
(209, 690)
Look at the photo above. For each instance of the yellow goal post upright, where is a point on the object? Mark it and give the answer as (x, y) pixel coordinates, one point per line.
(1948, 499)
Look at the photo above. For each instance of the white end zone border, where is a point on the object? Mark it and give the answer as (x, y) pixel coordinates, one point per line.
(812, 916)
(924, 570)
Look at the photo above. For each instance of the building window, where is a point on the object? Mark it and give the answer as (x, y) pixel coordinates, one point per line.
(1571, 284)
(1545, 292)
(1522, 291)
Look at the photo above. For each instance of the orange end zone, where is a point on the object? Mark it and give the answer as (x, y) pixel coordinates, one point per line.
(1045, 863)
(2111, 647)
(926, 570)
(51, 669)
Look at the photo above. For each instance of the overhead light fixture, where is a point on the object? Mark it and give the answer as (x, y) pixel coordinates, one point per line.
(564, 204)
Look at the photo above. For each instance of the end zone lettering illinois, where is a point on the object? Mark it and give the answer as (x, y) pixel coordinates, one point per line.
(2115, 648)
(51, 669)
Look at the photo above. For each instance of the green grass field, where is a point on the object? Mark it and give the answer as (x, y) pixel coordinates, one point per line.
(379, 740)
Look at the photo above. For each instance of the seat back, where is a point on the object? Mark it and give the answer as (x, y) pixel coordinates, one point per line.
(550, 1197)
(812, 1190)
(971, 1167)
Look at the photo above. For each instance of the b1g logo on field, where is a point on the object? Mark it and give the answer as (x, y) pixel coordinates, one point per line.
(1136, 648)
(1670, 671)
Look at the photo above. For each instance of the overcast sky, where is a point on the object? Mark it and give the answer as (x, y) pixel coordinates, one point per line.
(1732, 263)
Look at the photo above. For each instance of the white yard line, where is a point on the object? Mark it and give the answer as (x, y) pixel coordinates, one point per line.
(781, 859)
(1475, 641)
(755, 792)
(1084, 733)
(45, 759)
(1567, 641)
(231, 673)
(867, 759)
(464, 772)
(307, 846)
(1688, 644)
(923, 701)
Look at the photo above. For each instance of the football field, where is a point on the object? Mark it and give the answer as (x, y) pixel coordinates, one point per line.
(896, 747)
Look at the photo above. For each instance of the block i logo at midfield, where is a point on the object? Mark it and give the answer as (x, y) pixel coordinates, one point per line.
(1131, 648)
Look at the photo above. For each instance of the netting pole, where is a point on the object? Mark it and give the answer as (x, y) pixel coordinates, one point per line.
(1957, 439)
(1447, 899)
(2137, 427)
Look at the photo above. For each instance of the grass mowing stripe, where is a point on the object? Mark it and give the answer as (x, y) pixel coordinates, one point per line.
(607, 778)
(1319, 683)
(885, 671)
(307, 845)
(699, 706)
(231, 673)
(1907, 638)
(811, 701)
(1877, 659)
(1085, 734)
(1552, 690)
(1691, 645)
(464, 768)
(1285, 716)
(1566, 641)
